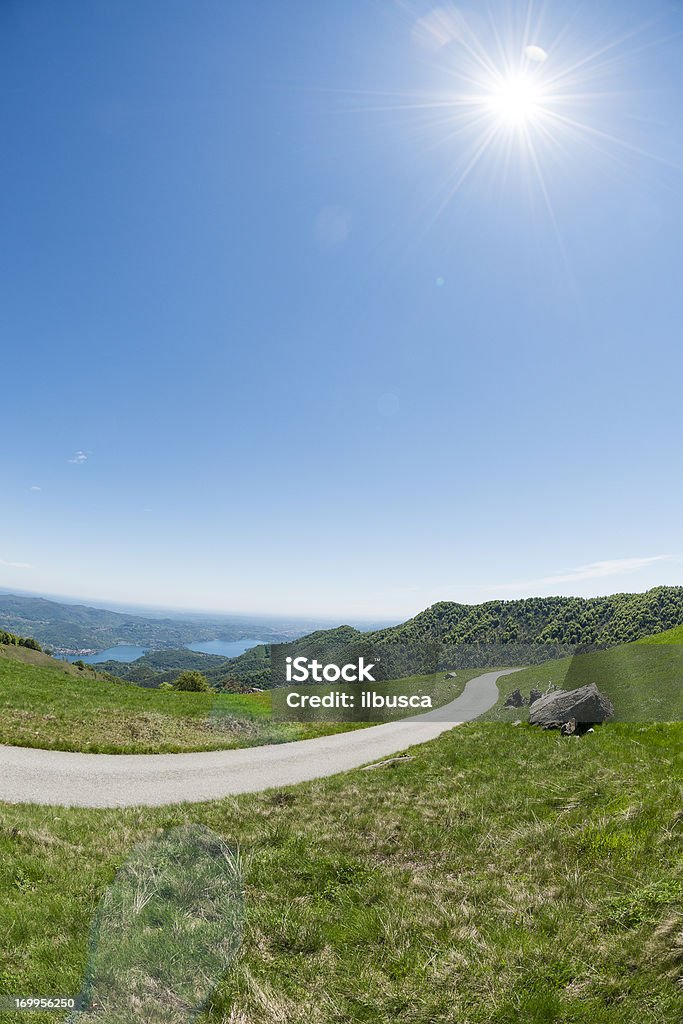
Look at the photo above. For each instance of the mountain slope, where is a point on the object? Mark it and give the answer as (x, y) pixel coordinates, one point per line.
(51, 704)
(500, 875)
(619, 618)
(549, 621)
(76, 626)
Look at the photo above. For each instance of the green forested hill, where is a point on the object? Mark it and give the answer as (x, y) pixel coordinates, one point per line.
(620, 618)
(165, 666)
(253, 667)
(559, 621)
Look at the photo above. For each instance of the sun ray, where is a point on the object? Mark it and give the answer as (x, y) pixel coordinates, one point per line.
(526, 94)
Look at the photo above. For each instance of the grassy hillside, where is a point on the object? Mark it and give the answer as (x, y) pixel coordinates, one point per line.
(643, 680)
(504, 875)
(47, 703)
(671, 636)
(27, 656)
(51, 704)
(54, 705)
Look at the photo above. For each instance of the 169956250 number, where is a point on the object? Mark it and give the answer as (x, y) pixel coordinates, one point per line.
(39, 1003)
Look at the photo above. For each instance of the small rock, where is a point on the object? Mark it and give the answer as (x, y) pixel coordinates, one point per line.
(451, 675)
(534, 696)
(568, 728)
(517, 721)
(514, 700)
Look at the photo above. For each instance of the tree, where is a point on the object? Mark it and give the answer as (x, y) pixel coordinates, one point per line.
(192, 681)
(32, 644)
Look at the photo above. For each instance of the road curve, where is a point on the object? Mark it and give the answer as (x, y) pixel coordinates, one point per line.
(61, 778)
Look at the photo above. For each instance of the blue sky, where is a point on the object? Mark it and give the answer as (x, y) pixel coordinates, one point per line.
(259, 352)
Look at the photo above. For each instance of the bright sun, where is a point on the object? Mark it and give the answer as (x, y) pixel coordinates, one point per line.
(512, 97)
(516, 100)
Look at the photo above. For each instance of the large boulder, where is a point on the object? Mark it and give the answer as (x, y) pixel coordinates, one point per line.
(586, 705)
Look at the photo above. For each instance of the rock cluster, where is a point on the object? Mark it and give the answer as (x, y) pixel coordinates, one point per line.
(514, 700)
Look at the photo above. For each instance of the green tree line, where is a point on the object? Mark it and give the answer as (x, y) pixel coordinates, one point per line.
(19, 641)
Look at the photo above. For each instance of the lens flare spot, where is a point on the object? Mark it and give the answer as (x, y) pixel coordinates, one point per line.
(536, 54)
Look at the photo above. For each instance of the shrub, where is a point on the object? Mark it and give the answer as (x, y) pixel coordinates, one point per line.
(29, 642)
(192, 681)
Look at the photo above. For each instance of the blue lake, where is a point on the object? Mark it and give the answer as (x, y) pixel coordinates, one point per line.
(226, 648)
(122, 652)
(129, 652)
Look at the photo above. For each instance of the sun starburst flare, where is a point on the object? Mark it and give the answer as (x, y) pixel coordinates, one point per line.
(520, 92)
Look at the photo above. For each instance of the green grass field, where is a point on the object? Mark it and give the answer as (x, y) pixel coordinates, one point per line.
(49, 704)
(504, 875)
(45, 705)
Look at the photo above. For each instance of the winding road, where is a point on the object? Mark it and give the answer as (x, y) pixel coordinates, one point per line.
(59, 778)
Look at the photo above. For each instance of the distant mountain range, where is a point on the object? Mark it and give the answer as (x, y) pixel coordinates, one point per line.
(78, 627)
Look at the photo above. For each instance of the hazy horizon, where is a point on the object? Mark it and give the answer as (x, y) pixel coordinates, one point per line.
(277, 617)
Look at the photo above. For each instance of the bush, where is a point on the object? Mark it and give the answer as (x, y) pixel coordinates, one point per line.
(165, 687)
(32, 644)
(192, 681)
